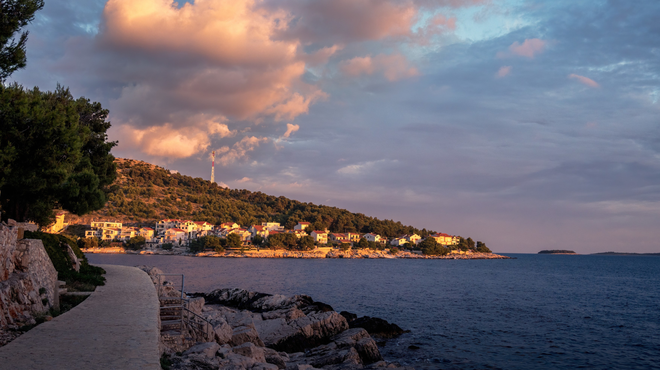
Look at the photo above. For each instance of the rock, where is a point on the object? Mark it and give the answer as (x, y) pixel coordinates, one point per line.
(263, 366)
(302, 333)
(73, 259)
(196, 305)
(245, 334)
(368, 351)
(28, 279)
(224, 351)
(261, 302)
(223, 332)
(208, 349)
(273, 357)
(250, 350)
(194, 361)
(348, 316)
(236, 361)
(359, 339)
(374, 326)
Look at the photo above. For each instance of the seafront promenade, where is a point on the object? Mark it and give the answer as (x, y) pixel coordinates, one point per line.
(115, 328)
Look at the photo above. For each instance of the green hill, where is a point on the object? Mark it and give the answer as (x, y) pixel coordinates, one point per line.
(144, 193)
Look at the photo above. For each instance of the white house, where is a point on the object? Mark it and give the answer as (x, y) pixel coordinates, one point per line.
(301, 226)
(373, 238)
(320, 237)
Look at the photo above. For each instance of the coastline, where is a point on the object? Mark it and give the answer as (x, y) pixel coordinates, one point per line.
(319, 253)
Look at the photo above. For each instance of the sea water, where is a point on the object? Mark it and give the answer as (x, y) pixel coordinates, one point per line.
(531, 312)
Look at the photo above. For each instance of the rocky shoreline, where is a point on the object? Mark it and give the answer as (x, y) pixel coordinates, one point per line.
(319, 253)
(258, 331)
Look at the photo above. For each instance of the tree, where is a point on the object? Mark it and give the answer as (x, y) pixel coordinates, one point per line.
(481, 247)
(306, 243)
(257, 240)
(362, 243)
(462, 244)
(53, 154)
(14, 15)
(431, 247)
(136, 243)
(234, 241)
(470, 243)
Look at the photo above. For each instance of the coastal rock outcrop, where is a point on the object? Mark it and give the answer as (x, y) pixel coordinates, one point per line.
(262, 331)
(374, 326)
(28, 280)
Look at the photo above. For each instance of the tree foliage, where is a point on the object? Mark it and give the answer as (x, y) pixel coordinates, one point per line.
(430, 247)
(14, 15)
(54, 153)
(234, 241)
(209, 242)
(481, 247)
(146, 193)
(136, 243)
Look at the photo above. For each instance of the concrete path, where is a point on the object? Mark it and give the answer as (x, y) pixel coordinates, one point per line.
(115, 328)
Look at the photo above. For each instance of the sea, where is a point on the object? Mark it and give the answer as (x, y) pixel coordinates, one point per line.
(529, 312)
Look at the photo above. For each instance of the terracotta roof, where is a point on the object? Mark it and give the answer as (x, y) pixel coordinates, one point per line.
(319, 232)
(304, 223)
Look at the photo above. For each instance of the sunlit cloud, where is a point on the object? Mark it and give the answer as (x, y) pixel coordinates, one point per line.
(503, 71)
(529, 49)
(290, 129)
(394, 67)
(239, 151)
(584, 80)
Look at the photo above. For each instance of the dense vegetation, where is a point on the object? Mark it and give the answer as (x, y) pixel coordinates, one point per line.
(86, 279)
(144, 193)
(54, 154)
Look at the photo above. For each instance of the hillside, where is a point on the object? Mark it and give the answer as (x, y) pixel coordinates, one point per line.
(144, 193)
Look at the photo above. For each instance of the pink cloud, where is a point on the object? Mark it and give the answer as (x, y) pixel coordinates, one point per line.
(503, 71)
(290, 129)
(529, 48)
(584, 80)
(240, 150)
(169, 141)
(394, 67)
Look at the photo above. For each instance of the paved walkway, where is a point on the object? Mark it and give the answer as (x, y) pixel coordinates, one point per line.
(115, 328)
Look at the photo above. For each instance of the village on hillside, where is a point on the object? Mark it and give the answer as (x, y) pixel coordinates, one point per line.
(181, 233)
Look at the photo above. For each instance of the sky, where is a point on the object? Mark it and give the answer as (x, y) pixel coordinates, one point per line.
(524, 124)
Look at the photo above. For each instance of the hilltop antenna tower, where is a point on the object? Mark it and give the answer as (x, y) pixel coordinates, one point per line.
(213, 166)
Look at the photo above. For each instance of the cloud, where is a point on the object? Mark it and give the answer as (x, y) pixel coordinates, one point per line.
(394, 67)
(239, 150)
(584, 80)
(170, 141)
(503, 71)
(244, 179)
(529, 48)
(290, 129)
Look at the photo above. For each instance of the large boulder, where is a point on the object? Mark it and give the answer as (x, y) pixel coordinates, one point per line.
(301, 333)
(262, 302)
(376, 327)
(28, 279)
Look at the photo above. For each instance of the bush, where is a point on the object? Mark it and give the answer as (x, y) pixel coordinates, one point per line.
(167, 246)
(136, 243)
(86, 279)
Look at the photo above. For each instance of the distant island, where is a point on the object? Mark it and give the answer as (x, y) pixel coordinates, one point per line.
(557, 251)
(626, 254)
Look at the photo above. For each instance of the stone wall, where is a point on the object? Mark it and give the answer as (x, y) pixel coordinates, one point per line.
(28, 280)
